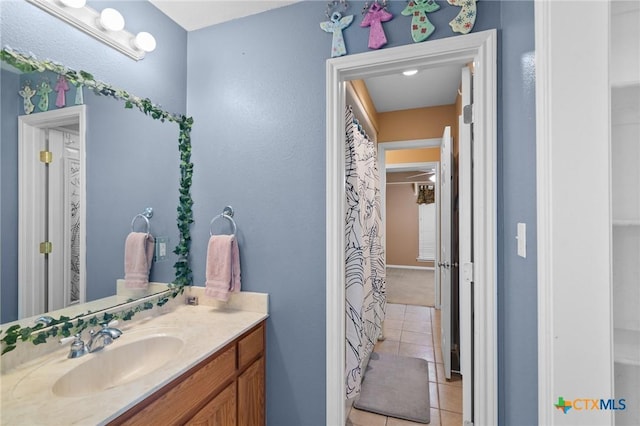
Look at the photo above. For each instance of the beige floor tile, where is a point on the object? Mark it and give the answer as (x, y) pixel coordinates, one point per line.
(417, 326)
(414, 309)
(416, 338)
(456, 380)
(416, 351)
(447, 418)
(435, 417)
(417, 316)
(387, 346)
(394, 311)
(440, 372)
(438, 352)
(433, 373)
(393, 324)
(392, 334)
(434, 420)
(365, 418)
(450, 397)
(433, 395)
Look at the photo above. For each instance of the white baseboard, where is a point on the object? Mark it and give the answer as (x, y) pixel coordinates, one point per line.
(429, 268)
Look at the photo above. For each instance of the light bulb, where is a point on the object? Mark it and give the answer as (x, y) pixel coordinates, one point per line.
(409, 73)
(144, 41)
(110, 19)
(76, 4)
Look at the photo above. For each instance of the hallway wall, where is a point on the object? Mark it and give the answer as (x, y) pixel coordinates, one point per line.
(256, 89)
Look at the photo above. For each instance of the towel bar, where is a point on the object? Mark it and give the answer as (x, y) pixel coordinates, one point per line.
(227, 213)
(145, 215)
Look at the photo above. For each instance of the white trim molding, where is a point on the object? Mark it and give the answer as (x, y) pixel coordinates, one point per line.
(481, 49)
(574, 273)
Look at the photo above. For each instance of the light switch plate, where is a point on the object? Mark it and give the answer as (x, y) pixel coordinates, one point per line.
(521, 236)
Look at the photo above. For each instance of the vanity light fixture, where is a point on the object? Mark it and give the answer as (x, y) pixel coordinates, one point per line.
(144, 41)
(409, 73)
(76, 4)
(106, 26)
(111, 20)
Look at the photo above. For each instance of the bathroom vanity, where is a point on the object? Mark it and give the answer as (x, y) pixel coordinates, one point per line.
(227, 388)
(183, 364)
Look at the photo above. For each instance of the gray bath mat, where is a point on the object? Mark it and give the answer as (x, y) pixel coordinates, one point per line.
(396, 386)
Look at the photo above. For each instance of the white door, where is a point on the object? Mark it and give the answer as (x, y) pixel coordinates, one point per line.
(51, 206)
(64, 220)
(444, 264)
(465, 173)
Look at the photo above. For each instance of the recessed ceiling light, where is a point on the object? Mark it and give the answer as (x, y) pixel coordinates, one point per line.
(409, 73)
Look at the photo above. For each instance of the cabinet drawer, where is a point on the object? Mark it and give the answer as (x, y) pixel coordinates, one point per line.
(250, 346)
(182, 399)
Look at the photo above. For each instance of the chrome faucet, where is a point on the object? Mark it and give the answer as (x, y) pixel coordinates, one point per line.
(105, 336)
(97, 341)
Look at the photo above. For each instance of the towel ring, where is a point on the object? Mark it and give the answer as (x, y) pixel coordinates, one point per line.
(145, 215)
(227, 213)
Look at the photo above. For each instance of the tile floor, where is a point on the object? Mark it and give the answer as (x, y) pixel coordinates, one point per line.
(415, 331)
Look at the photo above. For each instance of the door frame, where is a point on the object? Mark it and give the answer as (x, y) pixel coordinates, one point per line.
(30, 227)
(480, 48)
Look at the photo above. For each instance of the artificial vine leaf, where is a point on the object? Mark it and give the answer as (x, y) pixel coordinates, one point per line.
(40, 338)
(8, 348)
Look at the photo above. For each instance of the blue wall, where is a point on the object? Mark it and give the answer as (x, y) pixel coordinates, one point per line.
(9, 200)
(132, 160)
(517, 276)
(256, 89)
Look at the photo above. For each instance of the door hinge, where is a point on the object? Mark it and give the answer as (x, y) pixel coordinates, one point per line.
(467, 272)
(467, 114)
(46, 157)
(46, 247)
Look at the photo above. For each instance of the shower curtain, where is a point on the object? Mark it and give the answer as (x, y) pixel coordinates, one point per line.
(364, 254)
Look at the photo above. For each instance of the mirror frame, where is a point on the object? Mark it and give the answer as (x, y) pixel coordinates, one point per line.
(64, 326)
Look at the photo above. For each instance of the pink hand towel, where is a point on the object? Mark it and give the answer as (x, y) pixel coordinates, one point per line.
(223, 267)
(138, 254)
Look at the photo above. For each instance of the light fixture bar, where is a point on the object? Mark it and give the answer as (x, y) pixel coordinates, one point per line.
(85, 19)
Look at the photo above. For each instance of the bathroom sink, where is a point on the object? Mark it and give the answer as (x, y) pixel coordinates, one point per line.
(117, 364)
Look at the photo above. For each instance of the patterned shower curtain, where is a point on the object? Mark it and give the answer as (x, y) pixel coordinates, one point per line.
(365, 264)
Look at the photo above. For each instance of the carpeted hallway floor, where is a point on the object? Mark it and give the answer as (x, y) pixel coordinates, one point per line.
(411, 286)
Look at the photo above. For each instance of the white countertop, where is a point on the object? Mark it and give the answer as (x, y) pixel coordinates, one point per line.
(27, 396)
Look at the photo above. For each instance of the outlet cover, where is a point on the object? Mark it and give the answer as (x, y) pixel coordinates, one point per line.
(161, 249)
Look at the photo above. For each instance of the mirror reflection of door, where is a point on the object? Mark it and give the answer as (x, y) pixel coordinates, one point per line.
(51, 205)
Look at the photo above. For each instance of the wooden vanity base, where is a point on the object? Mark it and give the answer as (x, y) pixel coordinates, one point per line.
(226, 389)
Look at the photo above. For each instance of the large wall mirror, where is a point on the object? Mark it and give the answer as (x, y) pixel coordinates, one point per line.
(134, 155)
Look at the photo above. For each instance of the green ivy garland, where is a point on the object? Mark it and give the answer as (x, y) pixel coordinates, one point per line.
(183, 275)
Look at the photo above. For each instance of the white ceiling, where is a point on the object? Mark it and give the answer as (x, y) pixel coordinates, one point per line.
(195, 14)
(430, 87)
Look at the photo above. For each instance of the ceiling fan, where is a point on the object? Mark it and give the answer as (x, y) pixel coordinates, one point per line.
(432, 174)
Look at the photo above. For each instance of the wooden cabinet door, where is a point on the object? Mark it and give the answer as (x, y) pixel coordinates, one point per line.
(251, 395)
(220, 411)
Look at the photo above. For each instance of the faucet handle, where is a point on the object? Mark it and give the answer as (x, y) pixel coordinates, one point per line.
(78, 348)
